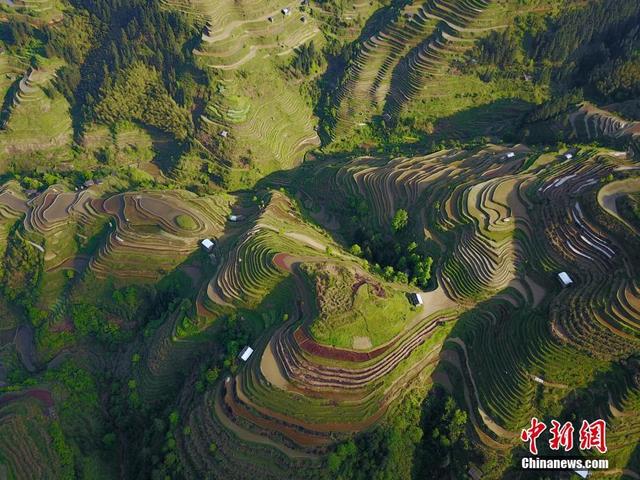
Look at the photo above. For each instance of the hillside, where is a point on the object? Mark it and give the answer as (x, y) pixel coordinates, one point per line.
(317, 240)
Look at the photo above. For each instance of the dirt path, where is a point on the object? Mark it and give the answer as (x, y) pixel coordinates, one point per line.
(301, 237)
(39, 247)
(537, 291)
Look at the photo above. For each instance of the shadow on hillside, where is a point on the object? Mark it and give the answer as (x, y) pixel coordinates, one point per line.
(433, 461)
(634, 460)
(500, 118)
(494, 318)
(338, 64)
(497, 121)
(167, 150)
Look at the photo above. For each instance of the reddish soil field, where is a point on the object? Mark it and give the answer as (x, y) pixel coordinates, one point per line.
(308, 344)
(98, 205)
(40, 394)
(305, 440)
(281, 260)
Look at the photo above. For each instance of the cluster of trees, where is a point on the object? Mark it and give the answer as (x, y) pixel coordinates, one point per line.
(113, 319)
(170, 466)
(22, 268)
(361, 459)
(554, 106)
(90, 320)
(498, 48)
(423, 438)
(592, 47)
(78, 417)
(20, 33)
(233, 335)
(445, 450)
(73, 39)
(109, 44)
(143, 434)
(306, 59)
(618, 79)
(595, 47)
(63, 451)
(396, 257)
(138, 94)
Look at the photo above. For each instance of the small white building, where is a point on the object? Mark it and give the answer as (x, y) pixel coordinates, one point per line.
(286, 11)
(510, 154)
(245, 353)
(235, 218)
(568, 156)
(415, 299)
(224, 133)
(207, 245)
(565, 279)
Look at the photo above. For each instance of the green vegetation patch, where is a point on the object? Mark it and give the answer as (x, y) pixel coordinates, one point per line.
(186, 222)
(355, 311)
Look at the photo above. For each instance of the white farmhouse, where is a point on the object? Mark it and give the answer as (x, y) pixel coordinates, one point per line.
(415, 299)
(565, 279)
(245, 353)
(207, 245)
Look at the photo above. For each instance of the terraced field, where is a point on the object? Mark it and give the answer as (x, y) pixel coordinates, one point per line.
(335, 345)
(344, 391)
(505, 227)
(393, 64)
(195, 286)
(25, 441)
(38, 116)
(246, 44)
(128, 229)
(40, 10)
(406, 65)
(505, 230)
(590, 123)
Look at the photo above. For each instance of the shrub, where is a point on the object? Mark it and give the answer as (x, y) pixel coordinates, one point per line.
(400, 220)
